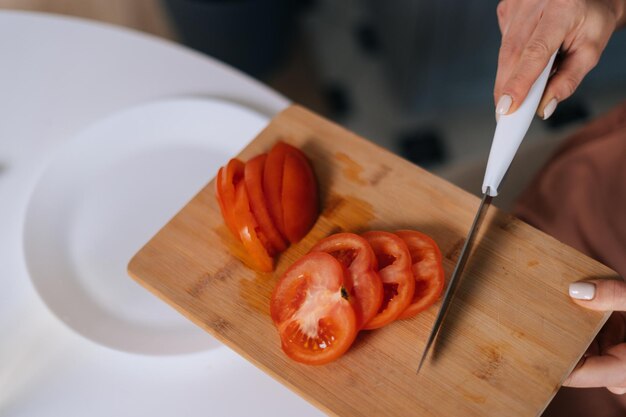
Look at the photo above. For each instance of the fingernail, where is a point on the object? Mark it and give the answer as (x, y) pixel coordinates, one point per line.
(582, 290)
(549, 109)
(504, 104)
(497, 117)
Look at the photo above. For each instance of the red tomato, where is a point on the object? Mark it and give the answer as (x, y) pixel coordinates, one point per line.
(394, 269)
(273, 183)
(253, 176)
(427, 271)
(310, 308)
(251, 237)
(227, 178)
(291, 191)
(358, 258)
(299, 197)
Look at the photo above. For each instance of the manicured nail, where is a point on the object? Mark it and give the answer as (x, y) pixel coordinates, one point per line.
(504, 104)
(582, 290)
(549, 109)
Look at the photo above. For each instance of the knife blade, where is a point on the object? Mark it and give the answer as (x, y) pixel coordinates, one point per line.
(510, 131)
(454, 280)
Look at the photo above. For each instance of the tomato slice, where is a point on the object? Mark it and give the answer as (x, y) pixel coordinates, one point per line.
(253, 176)
(252, 238)
(299, 197)
(273, 183)
(394, 269)
(309, 307)
(427, 271)
(227, 178)
(291, 191)
(361, 265)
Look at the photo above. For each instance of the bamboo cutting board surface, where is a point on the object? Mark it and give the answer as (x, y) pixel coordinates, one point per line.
(512, 334)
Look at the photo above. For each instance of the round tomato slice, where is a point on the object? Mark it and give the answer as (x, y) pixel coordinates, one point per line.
(249, 233)
(427, 271)
(311, 310)
(253, 176)
(291, 191)
(361, 265)
(227, 178)
(394, 269)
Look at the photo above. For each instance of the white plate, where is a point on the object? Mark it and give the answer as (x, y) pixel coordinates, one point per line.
(104, 195)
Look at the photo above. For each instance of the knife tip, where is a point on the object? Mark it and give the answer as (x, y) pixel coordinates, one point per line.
(419, 367)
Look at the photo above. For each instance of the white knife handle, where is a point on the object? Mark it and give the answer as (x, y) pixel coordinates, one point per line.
(510, 132)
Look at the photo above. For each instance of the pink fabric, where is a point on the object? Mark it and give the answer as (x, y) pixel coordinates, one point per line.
(579, 197)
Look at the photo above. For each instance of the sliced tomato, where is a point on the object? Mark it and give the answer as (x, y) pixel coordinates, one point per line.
(252, 238)
(253, 176)
(311, 310)
(273, 183)
(227, 178)
(299, 198)
(361, 265)
(427, 271)
(291, 191)
(394, 269)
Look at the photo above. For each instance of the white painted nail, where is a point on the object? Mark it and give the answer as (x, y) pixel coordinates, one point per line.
(504, 104)
(549, 109)
(582, 290)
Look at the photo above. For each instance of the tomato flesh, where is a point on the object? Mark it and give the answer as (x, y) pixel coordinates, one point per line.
(427, 271)
(315, 320)
(227, 179)
(394, 269)
(359, 261)
(253, 177)
(248, 229)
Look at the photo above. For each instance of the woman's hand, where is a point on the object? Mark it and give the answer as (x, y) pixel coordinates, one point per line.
(604, 363)
(532, 30)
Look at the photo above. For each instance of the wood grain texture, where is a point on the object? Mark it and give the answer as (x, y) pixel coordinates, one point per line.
(512, 334)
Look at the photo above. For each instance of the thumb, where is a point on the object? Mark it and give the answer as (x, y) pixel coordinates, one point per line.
(600, 371)
(602, 294)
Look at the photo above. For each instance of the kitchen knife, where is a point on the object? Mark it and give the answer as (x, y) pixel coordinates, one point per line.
(510, 131)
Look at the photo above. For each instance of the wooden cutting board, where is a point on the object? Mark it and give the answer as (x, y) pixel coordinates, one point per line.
(512, 334)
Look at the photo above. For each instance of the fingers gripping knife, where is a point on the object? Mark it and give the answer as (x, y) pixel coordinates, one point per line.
(510, 132)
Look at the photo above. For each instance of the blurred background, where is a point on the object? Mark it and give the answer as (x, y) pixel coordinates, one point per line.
(415, 76)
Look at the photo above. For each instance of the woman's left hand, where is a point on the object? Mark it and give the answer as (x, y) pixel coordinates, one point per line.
(604, 363)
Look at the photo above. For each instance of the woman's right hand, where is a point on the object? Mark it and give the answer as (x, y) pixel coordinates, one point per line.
(532, 30)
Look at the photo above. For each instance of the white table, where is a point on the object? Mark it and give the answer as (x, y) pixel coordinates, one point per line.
(57, 76)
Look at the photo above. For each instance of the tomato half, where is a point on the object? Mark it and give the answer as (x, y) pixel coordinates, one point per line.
(427, 271)
(309, 307)
(253, 176)
(227, 179)
(252, 238)
(394, 269)
(361, 265)
(291, 191)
